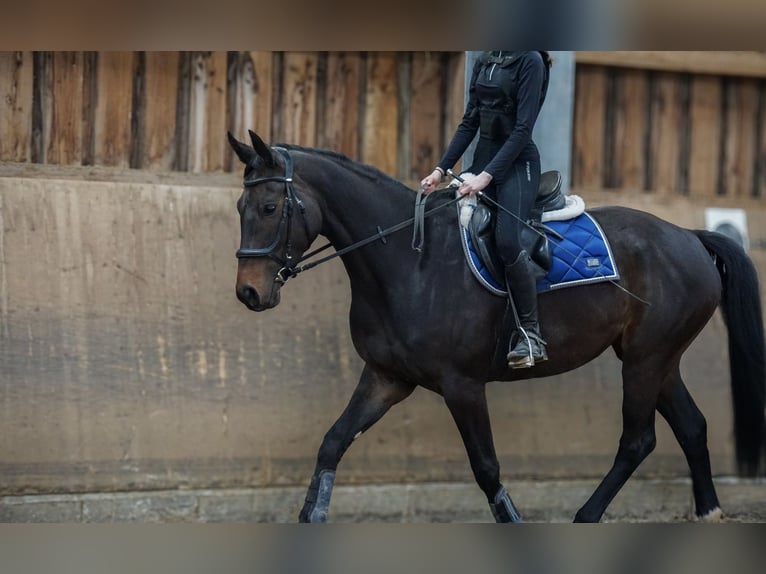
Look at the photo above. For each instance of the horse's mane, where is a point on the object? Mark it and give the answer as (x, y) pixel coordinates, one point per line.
(364, 170)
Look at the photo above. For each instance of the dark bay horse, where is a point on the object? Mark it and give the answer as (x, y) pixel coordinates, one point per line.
(410, 324)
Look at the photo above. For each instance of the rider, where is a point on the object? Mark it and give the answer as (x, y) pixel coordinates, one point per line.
(505, 94)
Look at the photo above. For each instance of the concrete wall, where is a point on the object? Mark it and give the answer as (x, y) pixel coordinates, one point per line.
(127, 363)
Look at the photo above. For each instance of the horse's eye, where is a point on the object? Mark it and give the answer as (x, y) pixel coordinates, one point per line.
(269, 208)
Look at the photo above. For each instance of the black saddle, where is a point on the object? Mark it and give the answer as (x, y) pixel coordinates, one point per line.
(533, 240)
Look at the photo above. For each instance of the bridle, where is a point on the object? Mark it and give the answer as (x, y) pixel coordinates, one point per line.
(285, 223)
(291, 268)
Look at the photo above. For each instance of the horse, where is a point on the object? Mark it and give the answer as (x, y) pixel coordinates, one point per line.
(410, 324)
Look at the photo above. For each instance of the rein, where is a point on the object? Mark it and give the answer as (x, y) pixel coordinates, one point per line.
(290, 270)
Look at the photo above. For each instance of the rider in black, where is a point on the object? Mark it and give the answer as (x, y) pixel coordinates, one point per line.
(506, 92)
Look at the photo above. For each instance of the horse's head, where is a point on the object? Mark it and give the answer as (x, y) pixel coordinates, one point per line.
(276, 227)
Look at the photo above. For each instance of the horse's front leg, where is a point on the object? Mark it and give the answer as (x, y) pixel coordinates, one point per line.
(373, 396)
(467, 401)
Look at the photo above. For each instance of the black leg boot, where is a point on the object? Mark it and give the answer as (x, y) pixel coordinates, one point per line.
(528, 345)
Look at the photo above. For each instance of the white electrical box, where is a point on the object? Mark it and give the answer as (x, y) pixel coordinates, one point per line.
(731, 222)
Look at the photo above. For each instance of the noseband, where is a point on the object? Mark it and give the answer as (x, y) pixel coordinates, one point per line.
(285, 222)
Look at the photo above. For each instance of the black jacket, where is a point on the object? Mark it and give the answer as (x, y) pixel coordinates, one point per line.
(506, 92)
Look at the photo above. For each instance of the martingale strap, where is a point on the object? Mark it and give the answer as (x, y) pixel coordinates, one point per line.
(418, 231)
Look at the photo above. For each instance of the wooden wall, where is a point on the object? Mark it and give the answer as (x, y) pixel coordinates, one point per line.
(170, 110)
(688, 123)
(685, 123)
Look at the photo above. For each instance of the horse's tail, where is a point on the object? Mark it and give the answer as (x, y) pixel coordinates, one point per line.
(741, 308)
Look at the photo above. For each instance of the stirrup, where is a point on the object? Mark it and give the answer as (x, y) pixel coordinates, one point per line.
(534, 347)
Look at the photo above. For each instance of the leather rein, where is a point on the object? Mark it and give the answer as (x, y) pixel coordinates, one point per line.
(289, 268)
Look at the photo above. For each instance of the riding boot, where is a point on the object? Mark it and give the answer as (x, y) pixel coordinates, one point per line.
(529, 345)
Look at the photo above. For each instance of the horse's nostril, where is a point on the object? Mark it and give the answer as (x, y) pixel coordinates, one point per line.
(248, 295)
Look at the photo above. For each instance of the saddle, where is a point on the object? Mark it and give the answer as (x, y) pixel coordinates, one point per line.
(534, 241)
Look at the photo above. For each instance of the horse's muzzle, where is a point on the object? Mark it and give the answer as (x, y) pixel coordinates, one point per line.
(248, 295)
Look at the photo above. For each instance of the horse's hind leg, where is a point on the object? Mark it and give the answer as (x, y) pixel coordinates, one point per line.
(688, 424)
(371, 399)
(641, 386)
(467, 403)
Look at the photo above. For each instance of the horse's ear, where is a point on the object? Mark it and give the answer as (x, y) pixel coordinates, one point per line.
(261, 148)
(244, 152)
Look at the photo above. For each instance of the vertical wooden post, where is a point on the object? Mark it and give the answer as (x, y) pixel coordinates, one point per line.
(207, 111)
(112, 127)
(454, 100)
(299, 98)
(160, 109)
(740, 131)
(760, 177)
(590, 122)
(16, 78)
(65, 144)
(630, 129)
(665, 129)
(705, 138)
(380, 115)
(341, 116)
(425, 113)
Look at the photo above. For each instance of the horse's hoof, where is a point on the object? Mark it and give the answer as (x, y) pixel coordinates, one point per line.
(714, 516)
(318, 516)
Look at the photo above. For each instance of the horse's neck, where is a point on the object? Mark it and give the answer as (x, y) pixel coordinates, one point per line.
(355, 205)
(354, 208)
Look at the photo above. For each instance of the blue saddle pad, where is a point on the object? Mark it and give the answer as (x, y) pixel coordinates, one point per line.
(584, 256)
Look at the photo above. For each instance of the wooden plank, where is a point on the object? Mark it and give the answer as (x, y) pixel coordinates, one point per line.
(113, 108)
(64, 147)
(752, 64)
(404, 142)
(16, 81)
(197, 92)
(760, 185)
(630, 129)
(705, 137)
(425, 113)
(215, 112)
(341, 104)
(665, 140)
(455, 99)
(263, 93)
(740, 153)
(379, 145)
(253, 95)
(160, 106)
(589, 127)
(298, 105)
(207, 112)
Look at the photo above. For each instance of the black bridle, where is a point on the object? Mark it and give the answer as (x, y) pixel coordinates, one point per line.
(289, 268)
(285, 223)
